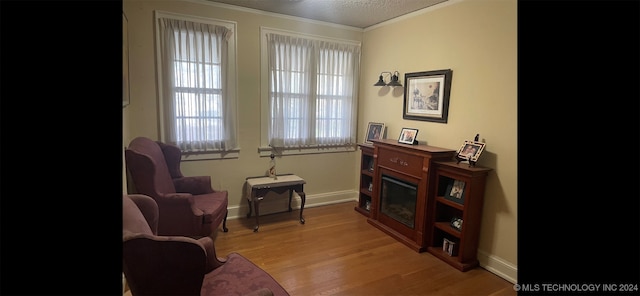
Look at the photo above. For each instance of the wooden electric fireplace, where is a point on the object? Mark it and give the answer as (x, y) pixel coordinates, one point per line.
(403, 185)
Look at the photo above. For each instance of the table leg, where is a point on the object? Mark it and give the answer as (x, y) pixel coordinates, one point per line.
(250, 208)
(290, 196)
(256, 204)
(303, 197)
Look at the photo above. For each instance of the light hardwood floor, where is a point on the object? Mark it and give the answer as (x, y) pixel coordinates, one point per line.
(336, 252)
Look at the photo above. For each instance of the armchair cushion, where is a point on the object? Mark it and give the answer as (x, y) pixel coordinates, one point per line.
(194, 185)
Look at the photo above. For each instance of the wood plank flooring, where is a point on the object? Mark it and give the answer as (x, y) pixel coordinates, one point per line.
(336, 252)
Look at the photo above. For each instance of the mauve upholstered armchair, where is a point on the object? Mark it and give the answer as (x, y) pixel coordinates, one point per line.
(180, 265)
(189, 206)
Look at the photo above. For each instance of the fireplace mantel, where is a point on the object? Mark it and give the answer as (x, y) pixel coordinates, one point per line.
(410, 164)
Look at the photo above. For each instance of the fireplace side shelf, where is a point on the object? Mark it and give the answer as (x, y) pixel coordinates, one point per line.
(366, 180)
(444, 208)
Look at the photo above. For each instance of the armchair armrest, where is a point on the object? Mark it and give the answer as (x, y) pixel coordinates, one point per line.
(175, 199)
(178, 203)
(213, 261)
(195, 184)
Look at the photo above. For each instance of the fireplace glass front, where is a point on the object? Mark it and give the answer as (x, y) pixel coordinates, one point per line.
(398, 200)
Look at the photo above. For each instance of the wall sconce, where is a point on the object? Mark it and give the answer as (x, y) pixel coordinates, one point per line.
(393, 82)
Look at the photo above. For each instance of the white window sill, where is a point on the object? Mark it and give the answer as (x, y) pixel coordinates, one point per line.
(211, 155)
(265, 151)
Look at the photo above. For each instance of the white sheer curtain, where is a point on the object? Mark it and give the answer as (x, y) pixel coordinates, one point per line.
(199, 114)
(312, 92)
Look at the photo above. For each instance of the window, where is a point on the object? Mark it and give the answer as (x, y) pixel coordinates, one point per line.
(311, 93)
(196, 64)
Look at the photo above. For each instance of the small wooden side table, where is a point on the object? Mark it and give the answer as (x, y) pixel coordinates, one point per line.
(258, 187)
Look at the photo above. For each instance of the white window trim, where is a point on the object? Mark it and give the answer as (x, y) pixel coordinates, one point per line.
(265, 150)
(211, 155)
(233, 77)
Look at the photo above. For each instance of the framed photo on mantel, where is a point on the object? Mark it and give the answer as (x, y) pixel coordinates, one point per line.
(375, 131)
(408, 136)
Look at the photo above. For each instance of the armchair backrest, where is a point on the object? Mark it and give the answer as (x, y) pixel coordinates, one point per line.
(148, 168)
(173, 157)
(139, 214)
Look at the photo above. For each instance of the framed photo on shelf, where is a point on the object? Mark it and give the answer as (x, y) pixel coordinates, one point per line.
(455, 191)
(445, 244)
(456, 223)
(375, 131)
(426, 95)
(471, 150)
(408, 135)
(450, 247)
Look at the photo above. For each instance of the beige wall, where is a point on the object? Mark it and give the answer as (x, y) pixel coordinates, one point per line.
(329, 177)
(476, 39)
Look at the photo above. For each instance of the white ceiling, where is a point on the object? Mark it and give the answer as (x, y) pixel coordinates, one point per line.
(354, 13)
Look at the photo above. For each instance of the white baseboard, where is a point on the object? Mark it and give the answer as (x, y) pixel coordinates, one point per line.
(498, 266)
(274, 203)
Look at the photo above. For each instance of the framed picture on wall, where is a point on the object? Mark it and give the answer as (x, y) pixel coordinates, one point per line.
(426, 95)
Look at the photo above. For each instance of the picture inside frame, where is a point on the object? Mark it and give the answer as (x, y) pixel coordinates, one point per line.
(471, 150)
(426, 95)
(375, 131)
(456, 191)
(456, 223)
(408, 136)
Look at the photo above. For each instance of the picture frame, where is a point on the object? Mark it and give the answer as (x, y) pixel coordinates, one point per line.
(426, 95)
(450, 247)
(470, 150)
(445, 244)
(125, 61)
(456, 191)
(375, 131)
(456, 223)
(408, 136)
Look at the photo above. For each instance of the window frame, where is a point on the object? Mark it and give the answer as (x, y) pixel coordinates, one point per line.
(232, 79)
(264, 149)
